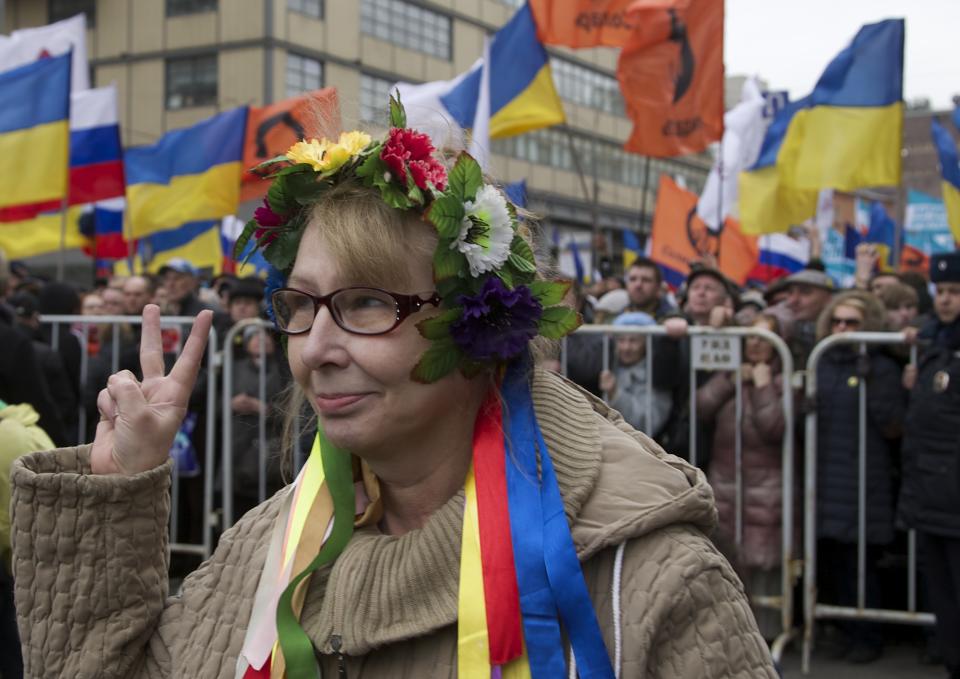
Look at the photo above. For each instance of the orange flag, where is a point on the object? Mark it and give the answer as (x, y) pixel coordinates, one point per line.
(273, 129)
(583, 23)
(671, 76)
(914, 259)
(680, 238)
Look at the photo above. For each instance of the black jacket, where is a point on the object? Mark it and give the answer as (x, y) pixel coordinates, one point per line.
(930, 494)
(839, 374)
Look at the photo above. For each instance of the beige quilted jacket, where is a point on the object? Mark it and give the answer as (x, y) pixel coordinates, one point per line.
(91, 585)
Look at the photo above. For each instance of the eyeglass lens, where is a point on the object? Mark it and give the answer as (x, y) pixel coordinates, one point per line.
(359, 310)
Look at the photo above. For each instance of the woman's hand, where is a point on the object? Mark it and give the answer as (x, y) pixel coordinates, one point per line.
(909, 379)
(762, 375)
(138, 420)
(608, 383)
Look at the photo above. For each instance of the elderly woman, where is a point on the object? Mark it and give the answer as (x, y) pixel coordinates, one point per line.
(840, 373)
(458, 509)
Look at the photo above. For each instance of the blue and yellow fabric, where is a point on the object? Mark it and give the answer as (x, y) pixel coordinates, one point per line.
(190, 175)
(522, 95)
(949, 172)
(846, 135)
(196, 242)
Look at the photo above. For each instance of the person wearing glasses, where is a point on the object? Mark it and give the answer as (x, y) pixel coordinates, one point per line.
(841, 374)
(461, 512)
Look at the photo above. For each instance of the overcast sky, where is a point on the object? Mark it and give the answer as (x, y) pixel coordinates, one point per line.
(788, 43)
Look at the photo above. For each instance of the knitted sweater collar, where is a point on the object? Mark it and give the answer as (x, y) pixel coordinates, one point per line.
(383, 589)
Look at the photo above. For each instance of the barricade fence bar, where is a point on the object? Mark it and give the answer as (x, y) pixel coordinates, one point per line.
(791, 568)
(812, 608)
(80, 327)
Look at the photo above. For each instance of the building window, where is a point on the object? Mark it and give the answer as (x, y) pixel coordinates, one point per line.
(580, 85)
(192, 82)
(312, 8)
(407, 25)
(514, 3)
(374, 95)
(58, 10)
(303, 74)
(178, 7)
(552, 147)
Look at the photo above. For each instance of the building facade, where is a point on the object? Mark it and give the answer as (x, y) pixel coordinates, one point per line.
(176, 62)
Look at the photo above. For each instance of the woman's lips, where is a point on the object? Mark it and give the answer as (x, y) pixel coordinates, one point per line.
(330, 404)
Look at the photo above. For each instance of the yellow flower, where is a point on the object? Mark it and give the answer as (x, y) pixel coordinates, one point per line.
(325, 156)
(354, 141)
(309, 152)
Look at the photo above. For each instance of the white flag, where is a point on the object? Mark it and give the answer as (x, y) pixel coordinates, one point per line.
(480, 133)
(744, 129)
(29, 44)
(427, 114)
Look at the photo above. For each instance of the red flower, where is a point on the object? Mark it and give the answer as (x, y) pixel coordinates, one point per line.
(406, 150)
(270, 223)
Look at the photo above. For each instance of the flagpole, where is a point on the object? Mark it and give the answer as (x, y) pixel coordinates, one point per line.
(643, 202)
(593, 200)
(720, 170)
(63, 238)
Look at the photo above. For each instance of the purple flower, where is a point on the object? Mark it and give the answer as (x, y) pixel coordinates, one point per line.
(498, 323)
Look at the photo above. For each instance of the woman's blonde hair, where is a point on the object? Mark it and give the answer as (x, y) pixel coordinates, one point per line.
(874, 315)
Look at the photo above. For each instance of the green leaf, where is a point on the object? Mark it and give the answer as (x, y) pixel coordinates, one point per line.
(520, 264)
(450, 289)
(438, 361)
(268, 163)
(394, 197)
(280, 202)
(438, 327)
(244, 238)
(371, 166)
(521, 256)
(446, 213)
(415, 194)
(299, 168)
(398, 117)
(283, 251)
(446, 262)
(549, 293)
(558, 321)
(466, 177)
(506, 276)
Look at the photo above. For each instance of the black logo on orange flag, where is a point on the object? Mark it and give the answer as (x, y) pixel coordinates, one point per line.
(273, 129)
(704, 241)
(671, 76)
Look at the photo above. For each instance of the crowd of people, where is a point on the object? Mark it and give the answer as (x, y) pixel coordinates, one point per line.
(913, 409)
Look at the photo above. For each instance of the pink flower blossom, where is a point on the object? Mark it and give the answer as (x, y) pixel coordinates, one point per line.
(407, 150)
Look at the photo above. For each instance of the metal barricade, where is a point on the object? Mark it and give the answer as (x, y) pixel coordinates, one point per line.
(790, 568)
(812, 609)
(83, 324)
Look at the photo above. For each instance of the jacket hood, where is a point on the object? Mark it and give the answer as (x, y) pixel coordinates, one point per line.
(627, 486)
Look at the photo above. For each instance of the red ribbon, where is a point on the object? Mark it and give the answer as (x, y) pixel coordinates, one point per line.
(501, 594)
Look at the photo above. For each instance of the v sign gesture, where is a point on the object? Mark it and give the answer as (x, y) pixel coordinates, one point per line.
(138, 420)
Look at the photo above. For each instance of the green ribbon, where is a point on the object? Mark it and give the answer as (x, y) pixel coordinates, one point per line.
(296, 645)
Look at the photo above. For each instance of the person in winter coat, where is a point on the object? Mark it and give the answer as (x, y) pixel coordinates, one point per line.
(841, 372)
(627, 386)
(246, 407)
(930, 492)
(419, 445)
(760, 548)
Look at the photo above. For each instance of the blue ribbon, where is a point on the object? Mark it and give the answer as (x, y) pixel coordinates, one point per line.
(548, 571)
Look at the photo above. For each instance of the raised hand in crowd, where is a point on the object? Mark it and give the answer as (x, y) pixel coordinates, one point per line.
(721, 316)
(866, 259)
(138, 420)
(909, 379)
(675, 327)
(762, 374)
(608, 383)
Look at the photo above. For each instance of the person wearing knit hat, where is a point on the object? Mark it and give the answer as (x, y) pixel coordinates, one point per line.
(627, 385)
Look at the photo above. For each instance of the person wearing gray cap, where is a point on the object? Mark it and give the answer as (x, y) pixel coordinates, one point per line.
(181, 280)
(930, 491)
(808, 293)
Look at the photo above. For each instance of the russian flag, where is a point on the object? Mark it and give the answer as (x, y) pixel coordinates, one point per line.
(780, 255)
(96, 156)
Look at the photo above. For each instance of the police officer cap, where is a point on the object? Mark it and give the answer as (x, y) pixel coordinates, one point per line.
(945, 268)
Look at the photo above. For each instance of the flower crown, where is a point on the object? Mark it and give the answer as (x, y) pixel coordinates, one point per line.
(484, 270)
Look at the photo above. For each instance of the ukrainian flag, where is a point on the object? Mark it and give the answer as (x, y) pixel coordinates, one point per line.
(950, 172)
(522, 95)
(846, 135)
(34, 135)
(190, 175)
(197, 242)
(631, 249)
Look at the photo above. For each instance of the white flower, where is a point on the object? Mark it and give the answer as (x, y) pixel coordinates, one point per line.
(486, 232)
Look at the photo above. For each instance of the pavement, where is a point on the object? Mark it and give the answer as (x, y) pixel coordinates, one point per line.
(899, 661)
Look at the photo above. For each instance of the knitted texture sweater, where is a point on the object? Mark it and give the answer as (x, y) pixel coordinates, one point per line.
(91, 585)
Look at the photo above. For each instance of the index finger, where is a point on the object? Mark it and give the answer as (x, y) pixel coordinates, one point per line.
(188, 363)
(151, 349)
